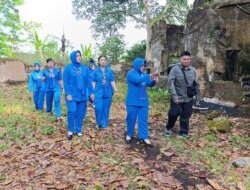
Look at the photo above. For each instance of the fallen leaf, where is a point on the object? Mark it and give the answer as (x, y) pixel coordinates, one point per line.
(200, 187)
(140, 178)
(214, 184)
(241, 186)
(6, 182)
(200, 175)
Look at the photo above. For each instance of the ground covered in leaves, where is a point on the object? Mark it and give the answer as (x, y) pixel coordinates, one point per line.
(35, 154)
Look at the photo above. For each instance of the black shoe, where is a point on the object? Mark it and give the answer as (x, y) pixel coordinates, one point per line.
(70, 137)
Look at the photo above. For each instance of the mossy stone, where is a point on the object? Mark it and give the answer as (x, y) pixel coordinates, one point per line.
(222, 125)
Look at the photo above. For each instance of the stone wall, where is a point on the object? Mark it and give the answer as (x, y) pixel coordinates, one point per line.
(167, 41)
(218, 36)
(12, 70)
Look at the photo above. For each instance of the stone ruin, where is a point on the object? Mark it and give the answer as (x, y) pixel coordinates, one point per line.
(217, 33)
(166, 44)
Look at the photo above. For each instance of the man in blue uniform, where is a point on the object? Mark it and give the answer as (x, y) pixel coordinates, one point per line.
(53, 81)
(76, 81)
(104, 85)
(137, 100)
(37, 85)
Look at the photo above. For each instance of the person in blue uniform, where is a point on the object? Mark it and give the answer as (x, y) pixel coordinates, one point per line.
(92, 67)
(137, 100)
(37, 85)
(76, 81)
(53, 81)
(103, 81)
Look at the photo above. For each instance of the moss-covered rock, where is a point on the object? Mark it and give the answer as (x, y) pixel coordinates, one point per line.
(222, 125)
(212, 115)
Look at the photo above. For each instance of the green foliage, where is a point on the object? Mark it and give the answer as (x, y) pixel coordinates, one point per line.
(137, 50)
(107, 17)
(113, 48)
(175, 12)
(9, 26)
(47, 47)
(86, 53)
(159, 100)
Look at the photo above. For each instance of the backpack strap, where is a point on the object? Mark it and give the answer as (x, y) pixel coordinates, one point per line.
(184, 76)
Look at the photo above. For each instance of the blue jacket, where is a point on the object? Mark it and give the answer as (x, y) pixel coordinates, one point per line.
(91, 72)
(137, 82)
(35, 81)
(103, 88)
(52, 79)
(76, 80)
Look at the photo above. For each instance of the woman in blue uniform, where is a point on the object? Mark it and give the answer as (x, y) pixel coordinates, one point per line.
(53, 81)
(37, 85)
(103, 81)
(92, 67)
(76, 81)
(137, 100)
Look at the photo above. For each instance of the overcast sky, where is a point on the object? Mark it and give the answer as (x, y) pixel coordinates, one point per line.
(54, 15)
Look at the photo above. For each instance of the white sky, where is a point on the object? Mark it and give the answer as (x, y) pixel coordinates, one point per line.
(54, 15)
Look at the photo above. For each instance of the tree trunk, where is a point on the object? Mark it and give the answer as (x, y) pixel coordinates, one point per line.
(149, 31)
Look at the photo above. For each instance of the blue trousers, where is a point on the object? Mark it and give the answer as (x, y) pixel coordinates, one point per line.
(140, 112)
(102, 108)
(50, 95)
(38, 98)
(76, 115)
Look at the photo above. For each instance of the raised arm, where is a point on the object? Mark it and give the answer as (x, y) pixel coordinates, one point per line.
(136, 78)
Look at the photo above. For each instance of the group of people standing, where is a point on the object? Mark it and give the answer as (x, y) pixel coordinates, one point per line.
(97, 85)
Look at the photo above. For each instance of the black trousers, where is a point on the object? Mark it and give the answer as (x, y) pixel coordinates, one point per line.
(184, 110)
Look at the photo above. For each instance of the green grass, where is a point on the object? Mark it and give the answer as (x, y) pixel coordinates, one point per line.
(108, 159)
(247, 182)
(211, 137)
(48, 130)
(240, 141)
(4, 146)
(2, 177)
(19, 123)
(131, 170)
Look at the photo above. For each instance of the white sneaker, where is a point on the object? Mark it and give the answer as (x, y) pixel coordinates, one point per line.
(147, 141)
(70, 133)
(128, 138)
(79, 134)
